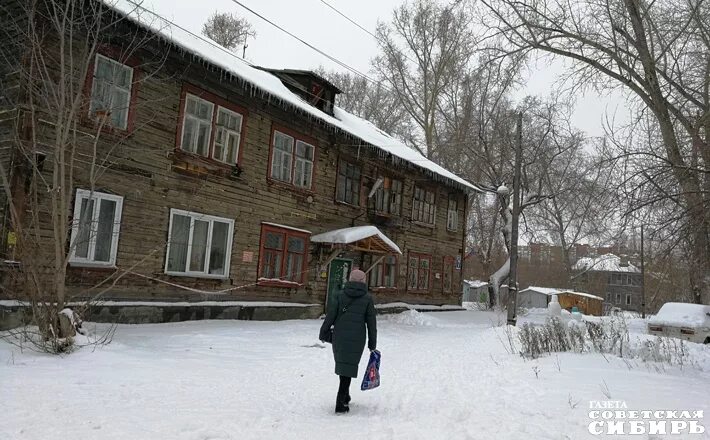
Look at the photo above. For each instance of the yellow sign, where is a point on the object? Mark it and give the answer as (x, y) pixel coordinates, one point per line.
(11, 238)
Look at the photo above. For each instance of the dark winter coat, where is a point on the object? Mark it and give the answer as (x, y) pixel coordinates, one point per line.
(349, 332)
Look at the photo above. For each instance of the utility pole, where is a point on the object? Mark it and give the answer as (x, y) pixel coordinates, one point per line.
(513, 276)
(643, 279)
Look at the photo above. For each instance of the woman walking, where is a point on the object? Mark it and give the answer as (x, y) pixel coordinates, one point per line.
(349, 314)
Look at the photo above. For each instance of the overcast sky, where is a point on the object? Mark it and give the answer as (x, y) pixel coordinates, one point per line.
(317, 24)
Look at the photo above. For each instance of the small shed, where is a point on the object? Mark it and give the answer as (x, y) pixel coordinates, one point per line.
(535, 297)
(586, 303)
(475, 291)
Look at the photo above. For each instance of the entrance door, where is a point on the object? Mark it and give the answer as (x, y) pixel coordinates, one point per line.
(338, 274)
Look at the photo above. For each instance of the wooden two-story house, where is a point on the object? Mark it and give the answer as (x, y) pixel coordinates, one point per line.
(238, 183)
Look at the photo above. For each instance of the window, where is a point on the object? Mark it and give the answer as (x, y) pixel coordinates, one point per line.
(199, 245)
(111, 91)
(283, 255)
(227, 136)
(95, 229)
(292, 160)
(197, 125)
(448, 275)
(618, 298)
(211, 129)
(419, 271)
(384, 273)
(388, 197)
(452, 215)
(628, 299)
(348, 187)
(608, 296)
(423, 207)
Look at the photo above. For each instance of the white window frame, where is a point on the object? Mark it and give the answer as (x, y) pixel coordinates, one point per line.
(452, 216)
(203, 217)
(83, 194)
(228, 132)
(300, 161)
(282, 153)
(129, 90)
(186, 115)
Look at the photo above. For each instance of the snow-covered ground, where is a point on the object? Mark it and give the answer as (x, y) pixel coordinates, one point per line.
(445, 375)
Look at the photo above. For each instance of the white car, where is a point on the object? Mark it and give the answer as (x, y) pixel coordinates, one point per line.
(682, 320)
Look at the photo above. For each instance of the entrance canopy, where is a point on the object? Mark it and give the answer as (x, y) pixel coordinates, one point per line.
(360, 238)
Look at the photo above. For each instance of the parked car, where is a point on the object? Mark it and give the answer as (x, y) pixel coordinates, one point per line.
(681, 320)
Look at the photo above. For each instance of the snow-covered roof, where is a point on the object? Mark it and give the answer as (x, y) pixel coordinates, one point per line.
(682, 315)
(549, 291)
(604, 263)
(475, 283)
(208, 52)
(354, 234)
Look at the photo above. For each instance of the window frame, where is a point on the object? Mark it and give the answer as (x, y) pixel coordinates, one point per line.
(387, 185)
(202, 217)
(426, 191)
(455, 213)
(218, 103)
(296, 137)
(419, 256)
(381, 265)
(354, 163)
(114, 55)
(628, 299)
(287, 233)
(451, 261)
(82, 194)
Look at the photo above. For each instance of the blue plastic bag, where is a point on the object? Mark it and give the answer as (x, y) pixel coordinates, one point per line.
(372, 372)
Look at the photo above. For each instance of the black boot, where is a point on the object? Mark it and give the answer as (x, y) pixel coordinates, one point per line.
(341, 404)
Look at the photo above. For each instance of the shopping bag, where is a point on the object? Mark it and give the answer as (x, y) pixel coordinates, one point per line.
(372, 373)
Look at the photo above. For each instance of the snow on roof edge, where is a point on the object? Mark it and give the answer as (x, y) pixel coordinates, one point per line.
(268, 83)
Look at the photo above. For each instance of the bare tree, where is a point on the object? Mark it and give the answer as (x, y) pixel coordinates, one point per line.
(372, 102)
(61, 134)
(425, 49)
(657, 51)
(228, 30)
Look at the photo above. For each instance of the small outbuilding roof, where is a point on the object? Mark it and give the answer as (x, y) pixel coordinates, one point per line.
(549, 291)
(366, 238)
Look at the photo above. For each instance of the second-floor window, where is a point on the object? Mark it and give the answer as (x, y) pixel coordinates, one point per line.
(348, 185)
(111, 92)
(423, 206)
(388, 198)
(211, 130)
(292, 160)
(452, 215)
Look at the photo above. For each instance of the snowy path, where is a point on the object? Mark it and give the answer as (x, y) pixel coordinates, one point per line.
(445, 376)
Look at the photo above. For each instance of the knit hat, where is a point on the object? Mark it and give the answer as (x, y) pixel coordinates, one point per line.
(358, 276)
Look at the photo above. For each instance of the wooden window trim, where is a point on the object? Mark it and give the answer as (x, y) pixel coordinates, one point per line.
(419, 256)
(113, 53)
(359, 185)
(217, 102)
(385, 213)
(452, 261)
(287, 232)
(434, 204)
(296, 137)
(396, 277)
(455, 199)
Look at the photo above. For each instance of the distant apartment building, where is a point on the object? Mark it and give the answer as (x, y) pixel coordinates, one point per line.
(613, 278)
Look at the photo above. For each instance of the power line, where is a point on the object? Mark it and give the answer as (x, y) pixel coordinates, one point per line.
(378, 39)
(330, 57)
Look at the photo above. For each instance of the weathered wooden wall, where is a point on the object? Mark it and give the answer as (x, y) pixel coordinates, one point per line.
(145, 170)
